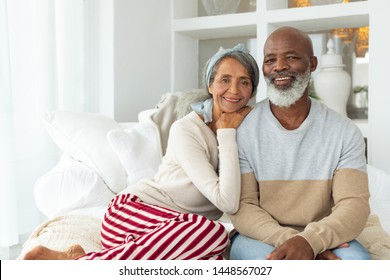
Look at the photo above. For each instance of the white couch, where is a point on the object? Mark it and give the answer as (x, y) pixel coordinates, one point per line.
(101, 157)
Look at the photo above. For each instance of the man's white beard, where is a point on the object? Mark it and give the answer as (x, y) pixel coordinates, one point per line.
(288, 97)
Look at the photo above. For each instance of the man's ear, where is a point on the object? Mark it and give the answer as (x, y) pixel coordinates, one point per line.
(313, 63)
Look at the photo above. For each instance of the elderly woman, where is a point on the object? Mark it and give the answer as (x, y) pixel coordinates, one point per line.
(172, 216)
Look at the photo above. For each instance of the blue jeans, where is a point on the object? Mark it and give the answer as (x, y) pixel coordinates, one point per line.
(245, 248)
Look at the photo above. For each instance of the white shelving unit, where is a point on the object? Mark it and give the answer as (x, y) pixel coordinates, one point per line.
(191, 33)
(189, 29)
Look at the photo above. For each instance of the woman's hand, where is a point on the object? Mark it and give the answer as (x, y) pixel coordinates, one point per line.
(234, 119)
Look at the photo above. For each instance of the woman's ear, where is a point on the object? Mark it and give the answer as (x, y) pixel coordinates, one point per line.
(210, 89)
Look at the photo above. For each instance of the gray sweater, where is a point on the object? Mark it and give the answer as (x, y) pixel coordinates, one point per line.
(310, 181)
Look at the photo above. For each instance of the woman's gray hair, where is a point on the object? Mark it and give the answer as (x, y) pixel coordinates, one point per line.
(238, 53)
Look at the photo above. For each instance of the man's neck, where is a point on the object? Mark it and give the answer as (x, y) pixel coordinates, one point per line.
(293, 116)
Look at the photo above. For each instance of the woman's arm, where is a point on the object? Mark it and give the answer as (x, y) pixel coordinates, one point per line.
(195, 146)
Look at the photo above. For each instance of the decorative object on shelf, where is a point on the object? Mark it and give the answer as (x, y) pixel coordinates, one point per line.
(345, 34)
(358, 35)
(220, 7)
(361, 43)
(302, 3)
(332, 84)
(360, 97)
(324, 2)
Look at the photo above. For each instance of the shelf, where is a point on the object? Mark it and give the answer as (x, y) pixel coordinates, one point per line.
(221, 26)
(193, 44)
(323, 17)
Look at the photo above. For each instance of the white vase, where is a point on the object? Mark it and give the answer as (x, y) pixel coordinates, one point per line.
(220, 7)
(360, 99)
(332, 84)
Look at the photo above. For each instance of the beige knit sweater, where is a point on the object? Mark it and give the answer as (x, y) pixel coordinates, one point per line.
(191, 179)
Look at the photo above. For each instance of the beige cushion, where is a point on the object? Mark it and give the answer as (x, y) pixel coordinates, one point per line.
(375, 239)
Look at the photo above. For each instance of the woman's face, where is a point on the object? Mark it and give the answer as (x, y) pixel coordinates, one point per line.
(231, 87)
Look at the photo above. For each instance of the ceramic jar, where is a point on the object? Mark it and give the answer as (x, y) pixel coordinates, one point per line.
(333, 84)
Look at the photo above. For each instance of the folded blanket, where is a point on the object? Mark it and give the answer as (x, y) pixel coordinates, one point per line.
(63, 231)
(172, 107)
(375, 239)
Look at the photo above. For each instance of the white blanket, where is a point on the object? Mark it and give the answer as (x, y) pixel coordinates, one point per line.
(63, 231)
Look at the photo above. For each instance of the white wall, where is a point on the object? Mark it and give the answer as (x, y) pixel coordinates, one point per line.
(127, 69)
(142, 44)
(378, 114)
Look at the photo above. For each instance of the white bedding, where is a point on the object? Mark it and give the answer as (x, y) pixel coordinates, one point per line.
(75, 194)
(65, 230)
(70, 185)
(83, 227)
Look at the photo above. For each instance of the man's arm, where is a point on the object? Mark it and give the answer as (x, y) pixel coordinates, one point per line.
(350, 196)
(349, 215)
(253, 221)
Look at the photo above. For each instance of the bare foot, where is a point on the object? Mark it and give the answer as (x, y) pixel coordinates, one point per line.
(44, 253)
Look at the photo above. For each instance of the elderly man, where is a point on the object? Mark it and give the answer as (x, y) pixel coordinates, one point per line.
(304, 186)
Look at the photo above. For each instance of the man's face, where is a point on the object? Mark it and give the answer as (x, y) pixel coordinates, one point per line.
(287, 68)
(287, 95)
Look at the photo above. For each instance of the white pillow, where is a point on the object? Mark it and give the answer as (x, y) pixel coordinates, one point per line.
(83, 136)
(379, 185)
(138, 149)
(145, 116)
(68, 186)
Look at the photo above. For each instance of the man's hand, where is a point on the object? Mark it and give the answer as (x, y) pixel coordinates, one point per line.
(295, 248)
(327, 255)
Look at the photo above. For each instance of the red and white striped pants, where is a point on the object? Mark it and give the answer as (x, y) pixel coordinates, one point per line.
(134, 230)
